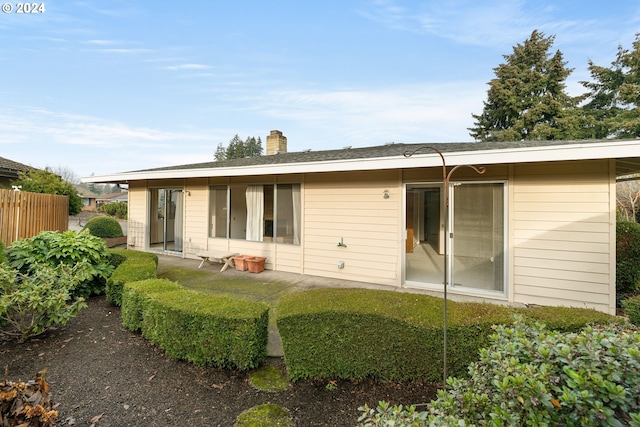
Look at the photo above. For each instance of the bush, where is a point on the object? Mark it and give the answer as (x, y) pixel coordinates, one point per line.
(134, 266)
(103, 226)
(533, 376)
(31, 304)
(627, 257)
(203, 329)
(52, 248)
(115, 209)
(632, 309)
(358, 333)
(3, 254)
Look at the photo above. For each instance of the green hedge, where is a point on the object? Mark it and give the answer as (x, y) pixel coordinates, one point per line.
(357, 333)
(203, 329)
(136, 266)
(627, 257)
(104, 226)
(632, 309)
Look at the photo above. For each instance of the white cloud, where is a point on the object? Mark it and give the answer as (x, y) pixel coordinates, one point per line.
(187, 67)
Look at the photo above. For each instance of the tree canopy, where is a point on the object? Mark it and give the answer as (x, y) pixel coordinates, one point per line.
(527, 97)
(613, 107)
(238, 149)
(47, 182)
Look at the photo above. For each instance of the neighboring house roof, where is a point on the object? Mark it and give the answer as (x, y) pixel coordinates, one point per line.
(84, 192)
(11, 169)
(114, 197)
(393, 156)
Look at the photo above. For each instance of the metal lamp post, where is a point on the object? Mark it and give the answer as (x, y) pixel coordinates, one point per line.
(446, 176)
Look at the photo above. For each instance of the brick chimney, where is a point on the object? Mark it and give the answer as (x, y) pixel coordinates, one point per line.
(276, 142)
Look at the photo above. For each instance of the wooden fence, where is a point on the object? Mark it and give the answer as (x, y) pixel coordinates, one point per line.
(24, 214)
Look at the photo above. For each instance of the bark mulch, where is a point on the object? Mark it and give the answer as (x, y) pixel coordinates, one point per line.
(103, 375)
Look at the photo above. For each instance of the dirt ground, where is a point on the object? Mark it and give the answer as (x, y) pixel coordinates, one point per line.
(103, 375)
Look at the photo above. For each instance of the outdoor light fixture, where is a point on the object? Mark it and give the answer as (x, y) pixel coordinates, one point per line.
(385, 194)
(446, 176)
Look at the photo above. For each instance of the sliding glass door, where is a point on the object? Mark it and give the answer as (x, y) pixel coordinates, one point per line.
(478, 228)
(476, 240)
(166, 219)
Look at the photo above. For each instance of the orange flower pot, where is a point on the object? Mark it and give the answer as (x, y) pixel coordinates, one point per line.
(240, 262)
(255, 264)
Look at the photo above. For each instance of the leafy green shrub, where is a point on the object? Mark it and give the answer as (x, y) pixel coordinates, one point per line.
(203, 329)
(3, 254)
(103, 226)
(533, 376)
(31, 304)
(69, 248)
(115, 209)
(632, 309)
(627, 257)
(136, 266)
(134, 296)
(357, 333)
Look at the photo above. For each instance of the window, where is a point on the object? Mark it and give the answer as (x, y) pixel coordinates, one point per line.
(260, 213)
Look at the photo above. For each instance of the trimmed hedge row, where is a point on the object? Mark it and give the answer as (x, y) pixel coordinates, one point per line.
(203, 329)
(135, 266)
(632, 309)
(357, 333)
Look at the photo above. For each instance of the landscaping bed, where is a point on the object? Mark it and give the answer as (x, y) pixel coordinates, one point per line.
(102, 374)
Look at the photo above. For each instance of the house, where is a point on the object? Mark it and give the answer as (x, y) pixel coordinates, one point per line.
(537, 227)
(9, 171)
(120, 197)
(87, 196)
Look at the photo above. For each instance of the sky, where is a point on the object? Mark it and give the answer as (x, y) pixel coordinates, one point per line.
(105, 86)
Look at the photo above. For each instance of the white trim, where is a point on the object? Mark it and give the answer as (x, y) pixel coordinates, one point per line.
(544, 153)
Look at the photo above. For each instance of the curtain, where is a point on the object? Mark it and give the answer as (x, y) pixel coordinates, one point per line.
(178, 199)
(255, 212)
(295, 196)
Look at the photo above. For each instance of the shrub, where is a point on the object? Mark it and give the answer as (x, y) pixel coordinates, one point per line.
(627, 257)
(3, 254)
(134, 266)
(69, 248)
(632, 309)
(533, 376)
(358, 333)
(103, 226)
(30, 304)
(203, 329)
(115, 209)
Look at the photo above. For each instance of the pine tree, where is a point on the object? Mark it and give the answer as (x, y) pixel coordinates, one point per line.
(238, 149)
(527, 98)
(613, 107)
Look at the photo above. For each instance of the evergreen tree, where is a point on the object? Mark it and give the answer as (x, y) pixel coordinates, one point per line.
(238, 149)
(527, 99)
(613, 107)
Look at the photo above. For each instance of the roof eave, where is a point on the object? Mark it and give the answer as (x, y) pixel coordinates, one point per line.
(423, 159)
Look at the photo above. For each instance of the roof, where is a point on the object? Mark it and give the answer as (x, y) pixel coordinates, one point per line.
(11, 168)
(84, 192)
(400, 155)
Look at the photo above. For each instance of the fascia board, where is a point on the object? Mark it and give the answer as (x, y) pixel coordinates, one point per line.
(424, 159)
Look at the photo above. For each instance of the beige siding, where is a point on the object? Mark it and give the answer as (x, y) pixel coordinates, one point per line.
(561, 234)
(350, 208)
(137, 214)
(196, 214)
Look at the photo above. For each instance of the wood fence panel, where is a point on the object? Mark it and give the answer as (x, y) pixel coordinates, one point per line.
(24, 214)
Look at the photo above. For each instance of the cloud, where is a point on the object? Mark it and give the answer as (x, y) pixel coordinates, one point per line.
(187, 67)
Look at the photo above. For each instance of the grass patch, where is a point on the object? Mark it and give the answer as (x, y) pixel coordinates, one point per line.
(266, 415)
(268, 378)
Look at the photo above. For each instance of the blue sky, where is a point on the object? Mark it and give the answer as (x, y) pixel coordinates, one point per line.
(100, 87)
